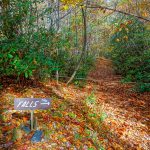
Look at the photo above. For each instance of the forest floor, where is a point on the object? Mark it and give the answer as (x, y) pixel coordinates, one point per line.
(104, 114)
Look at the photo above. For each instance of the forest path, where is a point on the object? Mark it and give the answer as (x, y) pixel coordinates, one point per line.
(128, 112)
(103, 114)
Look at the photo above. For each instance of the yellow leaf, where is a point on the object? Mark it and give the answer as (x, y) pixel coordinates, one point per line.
(18, 123)
(117, 40)
(65, 7)
(64, 140)
(117, 146)
(125, 37)
(144, 14)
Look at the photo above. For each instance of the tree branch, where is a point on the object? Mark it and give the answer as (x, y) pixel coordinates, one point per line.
(119, 11)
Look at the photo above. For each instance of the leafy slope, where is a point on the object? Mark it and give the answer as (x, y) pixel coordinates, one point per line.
(105, 114)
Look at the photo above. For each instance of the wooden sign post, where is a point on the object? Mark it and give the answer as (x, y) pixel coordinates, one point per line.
(32, 112)
(31, 104)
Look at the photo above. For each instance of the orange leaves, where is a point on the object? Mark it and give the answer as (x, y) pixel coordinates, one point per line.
(64, 140)
(58, 119)
(122, 25)
(7, 128)
(120, 131)
(141, 103)
(68, 116)
(117, 146)
(145, 14)
(129, 22)
(25, 119)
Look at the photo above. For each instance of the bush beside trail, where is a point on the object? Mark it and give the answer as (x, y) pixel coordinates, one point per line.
(131, 52)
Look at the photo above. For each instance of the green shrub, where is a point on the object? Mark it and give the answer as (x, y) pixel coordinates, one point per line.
(19, 57)
(29, 48)
(24, 42)
(131, 52)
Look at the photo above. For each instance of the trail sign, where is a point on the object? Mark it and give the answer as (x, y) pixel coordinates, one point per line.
(31, 103)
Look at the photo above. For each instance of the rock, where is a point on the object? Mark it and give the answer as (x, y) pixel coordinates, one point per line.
(37, 137)
(26, 129)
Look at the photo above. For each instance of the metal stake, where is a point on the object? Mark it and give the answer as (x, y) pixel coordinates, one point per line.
(32, 112)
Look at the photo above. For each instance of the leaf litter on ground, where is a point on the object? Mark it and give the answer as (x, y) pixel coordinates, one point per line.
(104, 114)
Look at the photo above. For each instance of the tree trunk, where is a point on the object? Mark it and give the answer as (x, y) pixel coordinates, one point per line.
(84, 46)
(57, 51)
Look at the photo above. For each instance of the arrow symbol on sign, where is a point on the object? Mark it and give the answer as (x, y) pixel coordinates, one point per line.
(45, 102)
(48, 103)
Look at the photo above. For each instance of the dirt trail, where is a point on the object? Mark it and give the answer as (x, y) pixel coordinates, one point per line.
(128, 112)
(103, 70)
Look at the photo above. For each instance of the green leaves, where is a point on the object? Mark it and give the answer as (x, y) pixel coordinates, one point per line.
(77, 136)
(91, 99)
(130, 44)
(26, 74)
(72, 115)
(10, 56)
(103, 116)
(29, 48)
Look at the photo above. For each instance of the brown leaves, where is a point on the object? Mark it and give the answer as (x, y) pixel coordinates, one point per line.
(69, 123)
